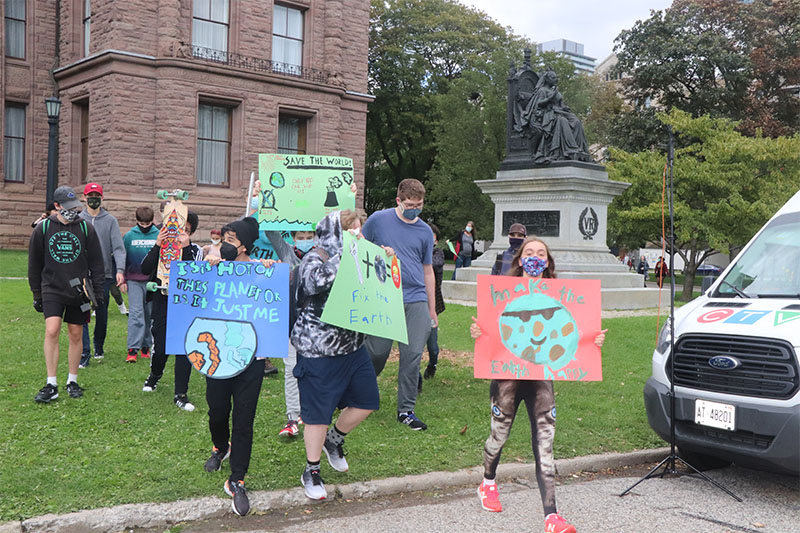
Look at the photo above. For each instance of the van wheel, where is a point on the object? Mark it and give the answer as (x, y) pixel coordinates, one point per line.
(702, 461)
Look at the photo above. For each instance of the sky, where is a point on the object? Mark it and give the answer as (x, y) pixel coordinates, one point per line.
(594, 23)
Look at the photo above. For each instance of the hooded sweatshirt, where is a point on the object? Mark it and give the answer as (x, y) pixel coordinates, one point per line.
(137, 244)
(310, 336)
(60, 252)
(107, 228)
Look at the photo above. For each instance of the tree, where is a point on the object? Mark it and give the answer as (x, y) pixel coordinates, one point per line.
(726, 59)
(727, 186)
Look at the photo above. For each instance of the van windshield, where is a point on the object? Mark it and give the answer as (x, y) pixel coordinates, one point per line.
(770, 267)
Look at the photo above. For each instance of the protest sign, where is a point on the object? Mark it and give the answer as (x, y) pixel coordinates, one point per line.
(367, 295)
(222, 316)
(538, 329)
(263, 249)
(297, 191)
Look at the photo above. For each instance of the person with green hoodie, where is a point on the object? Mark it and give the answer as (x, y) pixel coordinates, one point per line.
(138, 242)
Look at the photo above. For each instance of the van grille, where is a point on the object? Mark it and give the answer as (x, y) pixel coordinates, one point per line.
(768, 366)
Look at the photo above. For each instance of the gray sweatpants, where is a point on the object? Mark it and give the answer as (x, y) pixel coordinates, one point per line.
(139, 316)
(290, 390)
(418, 324)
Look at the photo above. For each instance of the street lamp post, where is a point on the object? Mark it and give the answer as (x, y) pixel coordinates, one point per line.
(53, 105)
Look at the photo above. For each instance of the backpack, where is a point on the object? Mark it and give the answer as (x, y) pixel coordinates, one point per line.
(298, 300)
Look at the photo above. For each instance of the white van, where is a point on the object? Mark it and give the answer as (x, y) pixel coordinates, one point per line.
(737, 377)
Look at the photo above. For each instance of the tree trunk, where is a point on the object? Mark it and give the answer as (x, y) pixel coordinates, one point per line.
(688, 285)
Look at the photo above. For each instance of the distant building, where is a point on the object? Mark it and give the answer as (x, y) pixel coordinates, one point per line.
(572, 51)
(163, 94)
(605, 69)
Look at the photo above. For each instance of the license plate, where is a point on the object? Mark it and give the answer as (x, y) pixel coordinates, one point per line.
(713, 414)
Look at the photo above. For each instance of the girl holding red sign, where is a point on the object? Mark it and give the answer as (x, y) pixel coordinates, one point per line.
(533, 260)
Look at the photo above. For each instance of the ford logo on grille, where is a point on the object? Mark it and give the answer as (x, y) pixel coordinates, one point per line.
(724, 362)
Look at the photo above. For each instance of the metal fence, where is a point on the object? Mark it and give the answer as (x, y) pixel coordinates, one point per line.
(259, 64)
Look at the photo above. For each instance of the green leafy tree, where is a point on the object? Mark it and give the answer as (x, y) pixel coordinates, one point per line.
(722, 58)
(726, 186)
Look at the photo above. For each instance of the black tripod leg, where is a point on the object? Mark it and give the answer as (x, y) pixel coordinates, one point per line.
(664, 462)
(716, 484)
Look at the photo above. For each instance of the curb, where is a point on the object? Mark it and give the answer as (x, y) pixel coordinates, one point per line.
(152, 515)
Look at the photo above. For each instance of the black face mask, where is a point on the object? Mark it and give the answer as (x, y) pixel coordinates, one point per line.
(94, 201)
(144, 228)
(515, 242)
(228, 252)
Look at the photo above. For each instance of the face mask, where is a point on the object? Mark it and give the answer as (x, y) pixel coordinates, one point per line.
(228, 252)
(254, 202)
(215, 241)
(145, 229)
(515, 242)
(355, 232)
(94, 201)
(71, 215)
(411, 214)
(533, 266)
(468, 229)
(304, 245)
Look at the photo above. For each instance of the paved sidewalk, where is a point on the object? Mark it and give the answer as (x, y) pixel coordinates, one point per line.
(157, 515)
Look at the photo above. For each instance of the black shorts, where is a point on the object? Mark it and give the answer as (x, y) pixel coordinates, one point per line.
(71, 314)
(326, 383)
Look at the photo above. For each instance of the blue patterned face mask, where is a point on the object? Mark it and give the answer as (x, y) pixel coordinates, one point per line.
(533, 266)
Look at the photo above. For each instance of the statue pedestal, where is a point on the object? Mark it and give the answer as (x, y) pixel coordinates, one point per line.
(566, 204)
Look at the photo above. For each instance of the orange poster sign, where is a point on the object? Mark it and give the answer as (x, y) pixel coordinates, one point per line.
(538, 329)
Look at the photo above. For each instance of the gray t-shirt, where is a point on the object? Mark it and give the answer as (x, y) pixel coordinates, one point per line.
(413, 244)
(466, 244)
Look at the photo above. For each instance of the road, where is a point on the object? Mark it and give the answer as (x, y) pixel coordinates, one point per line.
(591, 502)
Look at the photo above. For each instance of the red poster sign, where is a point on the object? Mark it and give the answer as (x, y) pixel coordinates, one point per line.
(538, 329)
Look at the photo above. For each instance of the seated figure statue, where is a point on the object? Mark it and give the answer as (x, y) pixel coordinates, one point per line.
(555, 133)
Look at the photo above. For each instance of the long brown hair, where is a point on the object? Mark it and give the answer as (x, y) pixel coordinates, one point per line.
(516, 269)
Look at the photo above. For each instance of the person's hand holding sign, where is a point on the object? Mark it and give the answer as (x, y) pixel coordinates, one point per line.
(475, 329)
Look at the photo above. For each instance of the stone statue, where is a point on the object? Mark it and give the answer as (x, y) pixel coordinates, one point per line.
(541, 128)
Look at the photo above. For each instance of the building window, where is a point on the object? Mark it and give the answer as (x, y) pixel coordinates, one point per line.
(15, 28)
(210, 24)
(292, 135)
(213, 144)
(287, 40)
(14, 143)
(87, 25)
(83, 114)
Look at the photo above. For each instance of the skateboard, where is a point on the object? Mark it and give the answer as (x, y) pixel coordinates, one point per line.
(174, 220)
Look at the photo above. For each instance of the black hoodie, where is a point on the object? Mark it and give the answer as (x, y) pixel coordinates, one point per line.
(60, 252)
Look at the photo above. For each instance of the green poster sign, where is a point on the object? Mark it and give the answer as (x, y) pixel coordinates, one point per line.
(452, 249)
(367, 295)
(297, 191)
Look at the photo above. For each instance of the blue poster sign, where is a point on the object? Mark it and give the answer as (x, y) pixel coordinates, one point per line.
(223, 316)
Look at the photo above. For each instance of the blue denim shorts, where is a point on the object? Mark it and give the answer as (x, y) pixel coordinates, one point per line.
(326, 383)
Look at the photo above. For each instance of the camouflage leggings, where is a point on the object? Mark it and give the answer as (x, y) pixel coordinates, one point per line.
(506, 396)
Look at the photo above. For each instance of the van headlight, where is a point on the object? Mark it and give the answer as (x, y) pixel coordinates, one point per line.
(664, 336)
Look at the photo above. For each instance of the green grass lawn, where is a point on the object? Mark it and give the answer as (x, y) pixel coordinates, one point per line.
(120, 445)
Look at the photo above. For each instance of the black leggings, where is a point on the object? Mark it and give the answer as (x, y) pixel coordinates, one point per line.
(506, 396)
(183, 367)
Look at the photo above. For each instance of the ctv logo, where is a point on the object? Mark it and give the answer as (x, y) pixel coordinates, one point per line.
(745, 316)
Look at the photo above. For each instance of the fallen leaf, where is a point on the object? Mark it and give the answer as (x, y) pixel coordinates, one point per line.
(463, 430)
(758, 524)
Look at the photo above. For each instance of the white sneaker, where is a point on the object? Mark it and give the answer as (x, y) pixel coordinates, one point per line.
(335, 456)
(122, 309)
(312, 483)
(183, 402)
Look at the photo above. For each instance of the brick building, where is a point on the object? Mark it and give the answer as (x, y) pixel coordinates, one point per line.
(161, 94)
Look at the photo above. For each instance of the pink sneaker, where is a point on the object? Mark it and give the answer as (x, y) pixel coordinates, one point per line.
(490, 499)
(553, 523)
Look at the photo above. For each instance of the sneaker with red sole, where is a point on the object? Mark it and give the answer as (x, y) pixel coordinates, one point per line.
(132, 353)
(553, 523)
(490, 499)
(289, 430)
(145, 353)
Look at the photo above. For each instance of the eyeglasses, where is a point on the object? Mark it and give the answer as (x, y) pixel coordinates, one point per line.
(412, 206)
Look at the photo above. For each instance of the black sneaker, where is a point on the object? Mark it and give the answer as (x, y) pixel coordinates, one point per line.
(74, 390)
(150, 383)
(430, 371)
(182, 401)
(214, 462)
(269, 368)
(411, 420)
(236, 490)
(85, 358)
(99, 356)
(46, 394)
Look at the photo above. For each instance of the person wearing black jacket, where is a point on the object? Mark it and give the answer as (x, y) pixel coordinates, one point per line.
(63, 250)
(183, 367)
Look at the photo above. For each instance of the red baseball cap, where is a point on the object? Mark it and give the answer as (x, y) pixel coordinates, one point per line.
(93, 187)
